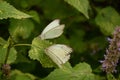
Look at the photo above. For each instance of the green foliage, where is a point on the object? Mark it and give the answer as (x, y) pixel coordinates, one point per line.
(12, 55)
(35, 16)
(110, 77)
(18, 75)
(2, 41)
(81, 71)
(19, 28)
(87, 25)
(80, 5)
(8, 11)
(37, 52)
(108, 19)
(3, 51)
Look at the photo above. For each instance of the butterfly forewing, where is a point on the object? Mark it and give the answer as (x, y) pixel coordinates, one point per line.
(51, 25)
(53, 33)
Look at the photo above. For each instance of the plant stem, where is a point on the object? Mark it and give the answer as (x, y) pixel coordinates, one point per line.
(7, 54)
(8, 51)
(22, 45)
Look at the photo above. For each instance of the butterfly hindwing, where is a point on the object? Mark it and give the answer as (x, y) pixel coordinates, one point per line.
(66, 50)
(59, 53)
(54, 58)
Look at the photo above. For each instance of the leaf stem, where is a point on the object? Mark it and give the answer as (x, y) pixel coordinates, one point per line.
(22, 45)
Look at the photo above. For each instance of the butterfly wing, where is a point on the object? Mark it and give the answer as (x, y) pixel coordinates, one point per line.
(53, 32)
(51, 25)
(64, 52)
(54, 58)
(59, 53)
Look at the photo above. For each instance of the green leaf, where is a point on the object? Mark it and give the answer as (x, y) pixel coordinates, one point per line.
(11, 57)
(110, 77)
(2, 41)
(8, 11)
(22, 58)
(18, 75)
(107, 19)
(21, 28)
(80, 5)
(37, 52)
(35, 16)
(82, 71)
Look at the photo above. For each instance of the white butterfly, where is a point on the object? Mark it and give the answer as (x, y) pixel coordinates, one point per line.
(59, 53)
(53, 30)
